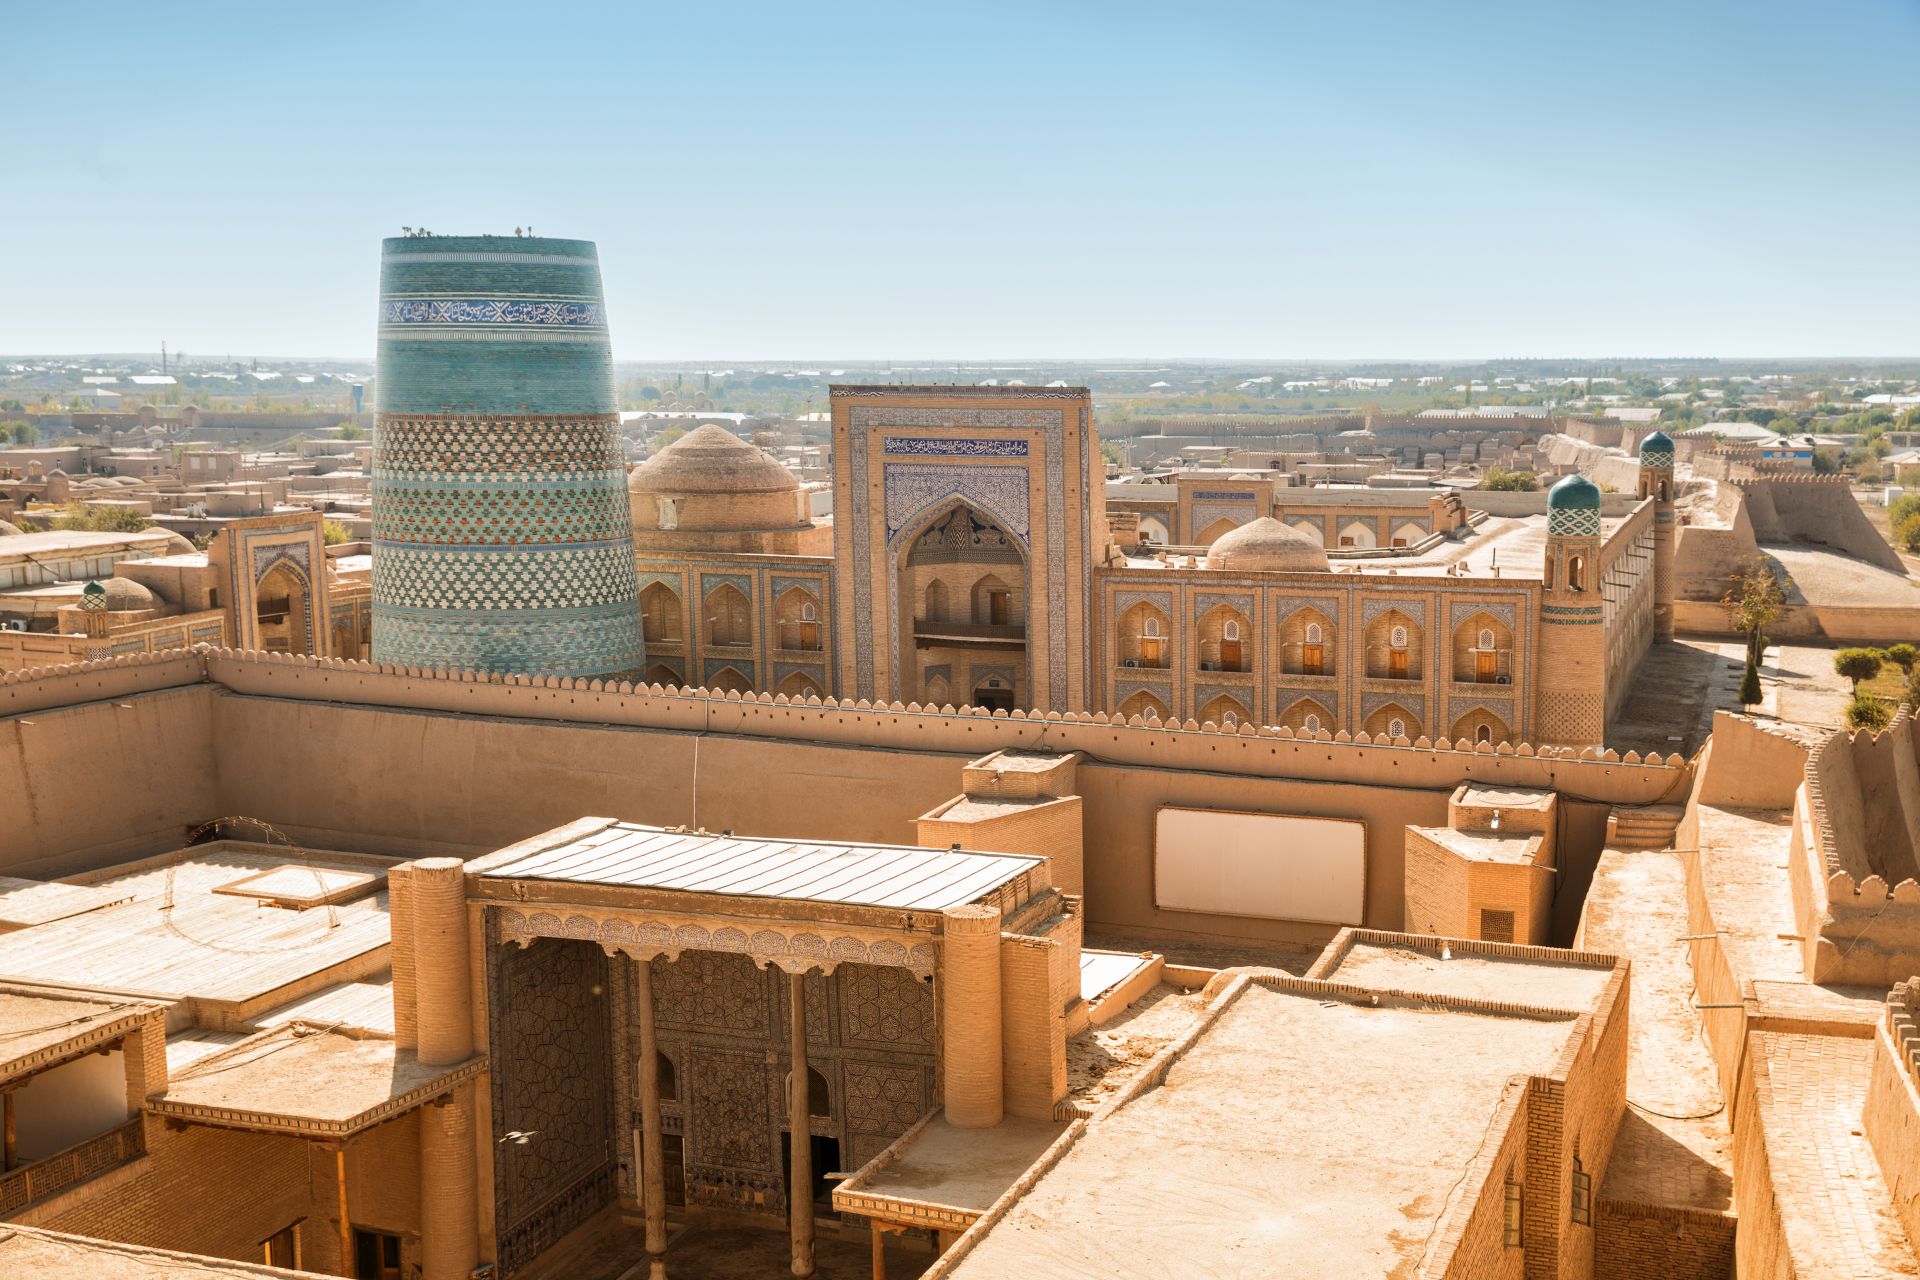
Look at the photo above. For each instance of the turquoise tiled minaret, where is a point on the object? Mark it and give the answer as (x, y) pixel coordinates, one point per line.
(501, 534)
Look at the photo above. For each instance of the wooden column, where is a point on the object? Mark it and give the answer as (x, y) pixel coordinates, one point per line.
(800, 1127)
(346, 1223)
(879, 1250)
(6, 1130)
(653, 1174)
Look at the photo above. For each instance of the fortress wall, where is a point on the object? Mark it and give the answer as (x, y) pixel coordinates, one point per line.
(351, 755)
(104, 779)
(1751, 766)
(1822, 510)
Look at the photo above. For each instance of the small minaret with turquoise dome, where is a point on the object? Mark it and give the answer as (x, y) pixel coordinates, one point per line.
(1657, 483)
(1570, 695)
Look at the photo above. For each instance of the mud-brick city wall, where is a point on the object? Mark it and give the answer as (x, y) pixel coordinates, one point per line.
(352, 756)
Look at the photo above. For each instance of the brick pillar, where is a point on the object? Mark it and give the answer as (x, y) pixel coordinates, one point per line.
(146, 1059)
(442, 984)
(1033, 1051)
(449, 1209)
(406, 1012)
(970, 1011)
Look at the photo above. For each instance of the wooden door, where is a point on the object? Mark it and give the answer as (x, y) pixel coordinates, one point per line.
(1313, 659)
(1483, 665)
(1397, 664)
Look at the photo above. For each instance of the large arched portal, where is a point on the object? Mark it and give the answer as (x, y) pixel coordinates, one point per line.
(280, 611)
(963, 597)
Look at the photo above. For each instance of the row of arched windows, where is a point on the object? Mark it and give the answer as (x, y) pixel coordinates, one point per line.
(727, 618)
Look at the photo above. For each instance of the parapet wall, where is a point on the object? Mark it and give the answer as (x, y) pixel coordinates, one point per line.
(1857, 868)
(344, 754)
(1891, 1118)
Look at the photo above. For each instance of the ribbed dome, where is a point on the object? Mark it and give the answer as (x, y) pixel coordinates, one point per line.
(710, 459)
(1266, 544)
(126, 594)
(8, 530)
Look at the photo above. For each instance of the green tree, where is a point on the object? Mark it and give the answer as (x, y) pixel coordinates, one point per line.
(1903, 656)
(1501, 480)
(19, 432)
(1906, 534)
(1868, 712)
(350, 431)
(103, 519)
(1753, 601)
(1857, 665)
(333, 533)
(667, 437)
(1825, 463)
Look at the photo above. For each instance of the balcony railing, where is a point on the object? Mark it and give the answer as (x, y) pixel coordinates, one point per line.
(29, 1183)
(925, 630)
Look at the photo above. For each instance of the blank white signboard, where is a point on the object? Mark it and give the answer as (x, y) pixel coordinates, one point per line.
(1269, 865)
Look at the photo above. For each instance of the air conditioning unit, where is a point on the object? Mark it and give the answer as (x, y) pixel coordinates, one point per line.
(15, 624)
(1209, 666)
(1131, 662)
(1503, 679)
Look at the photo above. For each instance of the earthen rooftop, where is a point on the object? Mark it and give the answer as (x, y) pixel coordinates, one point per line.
(1569, 981)
(305, 1078)
(1298, 1127)
(34, 1025)
(53, 1255)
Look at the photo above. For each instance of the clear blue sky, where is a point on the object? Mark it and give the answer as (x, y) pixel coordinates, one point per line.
(973, 180)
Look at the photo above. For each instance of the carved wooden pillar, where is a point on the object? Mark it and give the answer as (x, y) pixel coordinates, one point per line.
(800, 1127)
(653, 1177)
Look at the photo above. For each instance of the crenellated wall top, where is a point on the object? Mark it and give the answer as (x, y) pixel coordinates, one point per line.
(1602, 774)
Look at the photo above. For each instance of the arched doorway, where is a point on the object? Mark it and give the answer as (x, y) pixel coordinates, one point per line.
(993, 693)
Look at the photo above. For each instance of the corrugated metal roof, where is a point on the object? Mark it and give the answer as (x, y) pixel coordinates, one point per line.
(861, 875)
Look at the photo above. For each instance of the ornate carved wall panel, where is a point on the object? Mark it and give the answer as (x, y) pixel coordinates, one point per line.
(552, 1059)
(884, 1008)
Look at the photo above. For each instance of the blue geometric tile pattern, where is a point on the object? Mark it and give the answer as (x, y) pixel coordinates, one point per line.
(501, 528)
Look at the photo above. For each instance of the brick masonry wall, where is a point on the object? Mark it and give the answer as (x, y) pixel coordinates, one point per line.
(1646, 1242)
(1033, 1040)
(219, 1192)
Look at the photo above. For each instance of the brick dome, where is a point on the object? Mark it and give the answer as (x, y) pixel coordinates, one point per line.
(1266, 544)
(711, 480)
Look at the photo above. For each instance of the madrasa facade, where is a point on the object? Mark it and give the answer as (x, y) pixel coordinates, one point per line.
(971, 559)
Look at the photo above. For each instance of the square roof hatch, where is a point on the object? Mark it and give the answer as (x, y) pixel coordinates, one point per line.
(299, 885)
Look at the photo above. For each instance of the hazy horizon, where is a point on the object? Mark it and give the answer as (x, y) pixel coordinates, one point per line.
(1715, 178)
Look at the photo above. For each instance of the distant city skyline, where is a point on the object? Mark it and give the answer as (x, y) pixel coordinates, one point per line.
(1373, 181)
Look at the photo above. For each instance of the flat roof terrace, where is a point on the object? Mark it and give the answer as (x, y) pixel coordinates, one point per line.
(1568, 980)
(1245, 1155)
(181, 933)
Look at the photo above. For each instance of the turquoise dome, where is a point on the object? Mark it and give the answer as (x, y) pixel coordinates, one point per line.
(1573, 508)
(1657, 450)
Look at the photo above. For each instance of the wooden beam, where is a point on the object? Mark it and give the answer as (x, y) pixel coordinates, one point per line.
(653, 1173)
(800, 1130)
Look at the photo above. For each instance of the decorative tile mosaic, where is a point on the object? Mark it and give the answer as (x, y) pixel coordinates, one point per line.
(1462, 610)
(517, 311)
(936, 447)
(912, 491)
